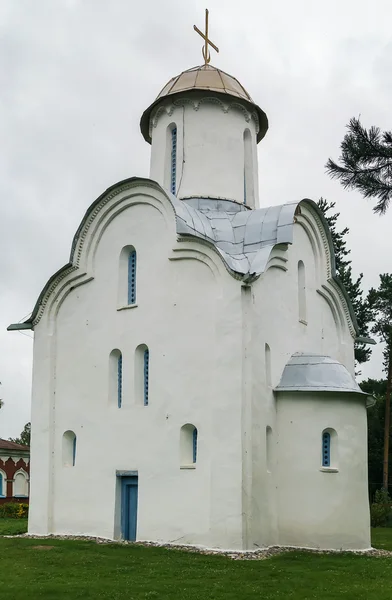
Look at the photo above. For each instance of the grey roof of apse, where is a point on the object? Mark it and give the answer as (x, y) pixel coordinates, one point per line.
(244, 238)
(316, 373)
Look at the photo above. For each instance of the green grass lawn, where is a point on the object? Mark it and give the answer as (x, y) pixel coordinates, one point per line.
(382, 538)
(13, 526)
(58, 569)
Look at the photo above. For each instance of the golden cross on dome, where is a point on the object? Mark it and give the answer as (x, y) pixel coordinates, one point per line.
(204, 50)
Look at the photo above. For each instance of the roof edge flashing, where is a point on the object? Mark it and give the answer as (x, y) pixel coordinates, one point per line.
(20, 326)
(224, 97)
(370, 400)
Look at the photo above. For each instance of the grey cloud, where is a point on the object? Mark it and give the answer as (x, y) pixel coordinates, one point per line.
(75, 77)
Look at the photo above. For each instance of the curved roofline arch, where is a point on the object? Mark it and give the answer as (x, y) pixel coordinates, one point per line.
(334, 275)
(262, 230)
(72, 264)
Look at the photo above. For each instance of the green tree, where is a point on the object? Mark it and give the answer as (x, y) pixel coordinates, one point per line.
(366, 163)
(376, 420)
(24, 437)
(380, 303)
(344, 270)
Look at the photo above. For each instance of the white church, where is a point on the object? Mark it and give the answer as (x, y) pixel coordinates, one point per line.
(193, 376)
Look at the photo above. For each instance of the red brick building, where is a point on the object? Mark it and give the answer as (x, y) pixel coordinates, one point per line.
(14, 472)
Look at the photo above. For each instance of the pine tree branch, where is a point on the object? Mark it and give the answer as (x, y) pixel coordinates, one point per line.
(366, 158)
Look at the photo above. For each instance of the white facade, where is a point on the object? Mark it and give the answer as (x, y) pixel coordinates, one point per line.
(218, 341)
(216, 149)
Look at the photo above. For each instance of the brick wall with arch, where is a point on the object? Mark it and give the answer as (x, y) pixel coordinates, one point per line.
(14, 472)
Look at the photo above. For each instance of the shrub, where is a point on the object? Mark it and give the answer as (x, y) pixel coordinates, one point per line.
(14, 510)
(380, 510)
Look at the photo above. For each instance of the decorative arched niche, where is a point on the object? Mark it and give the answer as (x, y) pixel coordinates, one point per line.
(115, 378)
(267, 360)
(21, 484)
(188, 446)
(301, 293)
(249, 192)
(69, 449)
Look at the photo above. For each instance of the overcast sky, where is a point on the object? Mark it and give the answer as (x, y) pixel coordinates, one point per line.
(76, 75)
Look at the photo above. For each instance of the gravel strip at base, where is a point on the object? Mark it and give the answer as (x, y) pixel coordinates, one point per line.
(259, 554)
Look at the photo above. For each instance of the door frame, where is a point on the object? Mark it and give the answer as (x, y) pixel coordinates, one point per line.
(126, 479)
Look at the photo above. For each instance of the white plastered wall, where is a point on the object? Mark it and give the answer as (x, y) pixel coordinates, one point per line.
(210, 149)
(275, 321)
(186, 314)
(206, 335)
(322, 508)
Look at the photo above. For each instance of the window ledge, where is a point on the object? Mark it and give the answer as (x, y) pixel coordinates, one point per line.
(188, 467)
(303, 321)
(329, 470)
(127, 307)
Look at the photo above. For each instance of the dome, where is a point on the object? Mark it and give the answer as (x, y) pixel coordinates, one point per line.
(317, 373)
(205, 78)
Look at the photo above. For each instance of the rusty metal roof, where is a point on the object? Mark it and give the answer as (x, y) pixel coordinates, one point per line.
(7, 445)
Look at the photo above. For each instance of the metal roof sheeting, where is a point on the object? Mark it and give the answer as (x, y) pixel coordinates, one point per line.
(244, 238)
(211, 81)
(205, 77)
(316, 373)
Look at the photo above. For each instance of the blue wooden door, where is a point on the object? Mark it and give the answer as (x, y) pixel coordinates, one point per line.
(129, 489)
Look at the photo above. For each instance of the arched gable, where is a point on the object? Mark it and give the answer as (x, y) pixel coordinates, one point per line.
(329, 286)
(246, 242)
(78, 270)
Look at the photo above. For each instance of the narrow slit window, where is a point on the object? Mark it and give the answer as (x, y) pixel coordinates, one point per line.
(194, 445)
(2, 485)
(268, 433)
(248, 170)
(142, 375)
(146, 375)
(244, 188)
(173, 161)
(301, 292)
(326, 449)
(188, 446)
(132, 277)
(74, 451)
(119, 381)
(267, 356)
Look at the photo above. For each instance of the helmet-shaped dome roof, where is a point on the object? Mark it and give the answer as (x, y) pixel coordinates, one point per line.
(306, 372)
(205, 78)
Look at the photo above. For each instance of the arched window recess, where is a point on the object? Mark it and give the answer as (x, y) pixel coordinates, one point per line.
(188, 446)
(329, 450)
